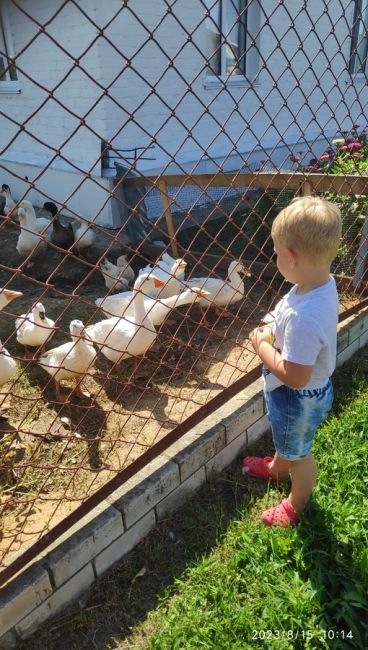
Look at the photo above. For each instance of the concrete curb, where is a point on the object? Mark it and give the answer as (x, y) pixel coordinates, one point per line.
(69, 567)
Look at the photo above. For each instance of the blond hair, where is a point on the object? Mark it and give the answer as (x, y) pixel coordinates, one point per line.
(310, 225)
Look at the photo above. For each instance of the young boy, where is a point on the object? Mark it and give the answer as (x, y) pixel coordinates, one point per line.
(299, 350)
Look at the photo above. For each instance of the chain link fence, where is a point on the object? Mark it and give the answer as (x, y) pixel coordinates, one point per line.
(145, 148)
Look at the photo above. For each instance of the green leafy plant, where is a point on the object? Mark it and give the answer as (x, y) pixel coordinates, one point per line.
(347, 154)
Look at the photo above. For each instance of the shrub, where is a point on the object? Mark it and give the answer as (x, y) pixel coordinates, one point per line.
(347, 154)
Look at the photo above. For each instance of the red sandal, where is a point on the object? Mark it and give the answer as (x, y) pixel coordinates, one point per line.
(284, 515)
(257, 467)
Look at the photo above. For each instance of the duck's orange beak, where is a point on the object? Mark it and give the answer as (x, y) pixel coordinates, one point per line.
(201, 293)
(158, 283)
(10, 295)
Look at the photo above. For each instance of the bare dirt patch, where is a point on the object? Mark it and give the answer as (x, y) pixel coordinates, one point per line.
(55, 455)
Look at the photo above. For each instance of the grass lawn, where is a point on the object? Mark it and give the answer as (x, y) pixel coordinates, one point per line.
(212, 577)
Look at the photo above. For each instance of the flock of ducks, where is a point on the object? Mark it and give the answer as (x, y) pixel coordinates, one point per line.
(35, 231)
(133, 314)
(130, 328)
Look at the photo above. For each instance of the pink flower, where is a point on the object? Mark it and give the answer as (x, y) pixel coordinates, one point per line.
(295, 158)
(325, 156)
(356, 154)
(343, 148)
(354, 145)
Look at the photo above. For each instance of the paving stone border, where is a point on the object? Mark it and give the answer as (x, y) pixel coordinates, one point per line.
(68, 568)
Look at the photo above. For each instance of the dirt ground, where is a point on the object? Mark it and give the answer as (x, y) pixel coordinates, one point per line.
(55, 455)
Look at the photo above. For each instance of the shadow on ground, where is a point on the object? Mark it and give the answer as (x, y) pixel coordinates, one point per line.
(121, 598)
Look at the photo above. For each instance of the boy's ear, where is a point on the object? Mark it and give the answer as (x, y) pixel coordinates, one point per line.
(292, 257)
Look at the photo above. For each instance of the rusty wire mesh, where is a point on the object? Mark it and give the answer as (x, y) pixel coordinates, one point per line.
(189, 125)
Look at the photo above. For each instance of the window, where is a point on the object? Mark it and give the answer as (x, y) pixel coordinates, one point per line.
(8, 73)
(232, 28)
(359, 44)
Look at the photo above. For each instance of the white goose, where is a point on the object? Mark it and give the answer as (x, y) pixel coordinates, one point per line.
(31, 229)
(70, 360)
(8, 367)
(120, 338)
(165, 263)
(222, 293)
(84, 235)
(34, 329)
(117, 276)
(157, 309)
(171, 278)
(122, 262)
(6, 296)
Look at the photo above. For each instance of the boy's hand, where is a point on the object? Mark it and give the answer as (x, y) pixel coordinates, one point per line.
(260, 334)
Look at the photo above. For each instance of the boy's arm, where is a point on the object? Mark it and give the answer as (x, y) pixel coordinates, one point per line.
(292, 374)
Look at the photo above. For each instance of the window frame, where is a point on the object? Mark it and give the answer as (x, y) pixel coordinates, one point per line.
(354, 57)
(249, 28)
(7, 85)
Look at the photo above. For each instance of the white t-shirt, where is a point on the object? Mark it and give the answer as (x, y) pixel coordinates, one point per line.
(305, 331)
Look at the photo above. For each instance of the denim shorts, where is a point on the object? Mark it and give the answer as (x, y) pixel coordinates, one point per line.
(295, 416)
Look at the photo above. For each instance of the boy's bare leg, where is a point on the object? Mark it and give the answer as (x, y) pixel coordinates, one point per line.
(303, 475)
(279, 466)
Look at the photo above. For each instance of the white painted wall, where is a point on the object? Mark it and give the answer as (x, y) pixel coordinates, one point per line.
(183, 117)
(55, 150)
(255, 116)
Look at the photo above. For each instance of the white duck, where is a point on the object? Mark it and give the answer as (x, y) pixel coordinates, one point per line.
(117, 276)
(31, 229)
(34, 329)
(84, 235)
(171, 277)
(8, 367)
(6, 296)
(8, 208)
(157, 310)
(70, 360)
(120, 338)
(222, 292)
(129, 274)
(166, 262)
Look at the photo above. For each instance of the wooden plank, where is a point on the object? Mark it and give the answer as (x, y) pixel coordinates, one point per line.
(263, 180)
(306, 189)
(168, 216)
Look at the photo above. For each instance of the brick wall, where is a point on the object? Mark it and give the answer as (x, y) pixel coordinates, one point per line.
(70, 566)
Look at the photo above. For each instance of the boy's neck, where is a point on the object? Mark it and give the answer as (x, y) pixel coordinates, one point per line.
(313, 279)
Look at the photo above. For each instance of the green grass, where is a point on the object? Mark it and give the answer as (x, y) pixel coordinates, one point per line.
(302, 582)
(212, 577)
